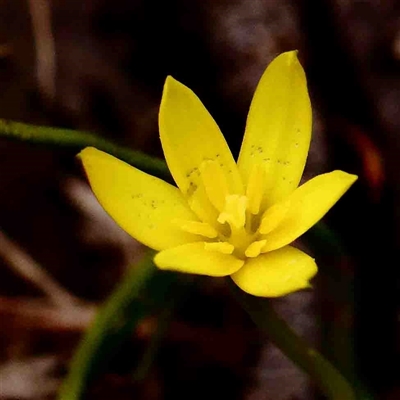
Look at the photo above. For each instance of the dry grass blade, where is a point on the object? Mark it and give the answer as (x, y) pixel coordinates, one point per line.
(17, 259)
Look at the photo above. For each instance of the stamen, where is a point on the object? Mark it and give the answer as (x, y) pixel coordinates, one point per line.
(222, 247)
(234, 212)
(202, 207)
(197, 228)
(272, 217)
(215, 183)
(255, 188)
(255, 248)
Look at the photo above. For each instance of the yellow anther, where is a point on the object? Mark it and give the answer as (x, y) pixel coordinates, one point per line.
(234, 212)
(215, 183)
(272, 217)
(255, 248)
(202, 207)
(197, 228)
(255, 188)
(222, 247)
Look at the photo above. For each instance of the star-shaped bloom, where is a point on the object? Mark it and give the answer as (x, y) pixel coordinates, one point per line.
(227, 218)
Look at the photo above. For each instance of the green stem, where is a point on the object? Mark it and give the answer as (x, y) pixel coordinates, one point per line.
(324, 374)
(77, 140)
(146, 361)
(337, 284)
(107, 320)
(163, 322)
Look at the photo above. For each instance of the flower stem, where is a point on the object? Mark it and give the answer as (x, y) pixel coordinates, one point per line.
(142, 292)
(324, 374)
(150, 353)
(77, 140)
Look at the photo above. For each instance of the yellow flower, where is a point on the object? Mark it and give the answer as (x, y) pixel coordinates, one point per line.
(226, 218)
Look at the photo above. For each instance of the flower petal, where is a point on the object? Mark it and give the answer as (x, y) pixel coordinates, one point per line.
(307, 205)
(193, 258)
(276, 273)
(190, 136)
(144, 206)
(278, 129)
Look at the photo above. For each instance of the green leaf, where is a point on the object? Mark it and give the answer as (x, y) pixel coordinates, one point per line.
(77, 140)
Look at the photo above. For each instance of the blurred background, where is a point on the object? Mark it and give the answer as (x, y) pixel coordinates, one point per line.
(99, 65)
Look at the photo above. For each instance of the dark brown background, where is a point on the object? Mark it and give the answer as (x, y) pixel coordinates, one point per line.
(105, 75)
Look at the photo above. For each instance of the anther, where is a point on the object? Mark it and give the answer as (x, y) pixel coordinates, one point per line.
(234, 212)
(222, 247)
(255, 248)
(197, 228)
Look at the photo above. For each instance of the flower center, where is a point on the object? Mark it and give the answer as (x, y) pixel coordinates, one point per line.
(233, 227)
(236, 230)
(239, 228)
(232, 223)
